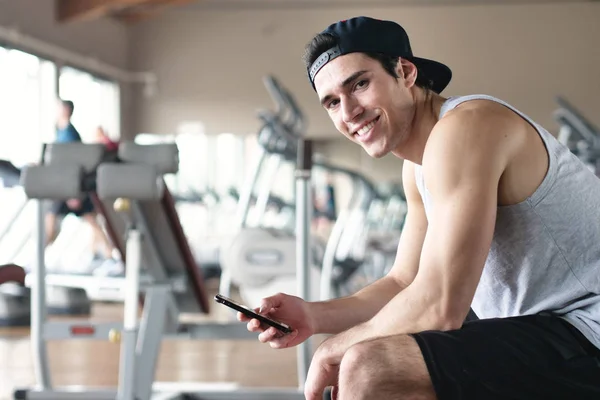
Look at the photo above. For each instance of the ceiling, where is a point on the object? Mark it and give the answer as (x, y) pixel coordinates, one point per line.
(253, 4)
(132, 11)
(128, 11)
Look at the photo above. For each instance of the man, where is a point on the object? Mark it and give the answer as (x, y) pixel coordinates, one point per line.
(501, 218)
(66, 133)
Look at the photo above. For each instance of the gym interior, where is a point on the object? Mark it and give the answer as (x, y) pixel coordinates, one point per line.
(206, 165)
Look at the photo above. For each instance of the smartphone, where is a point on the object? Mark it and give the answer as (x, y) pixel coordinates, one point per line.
(251, 314)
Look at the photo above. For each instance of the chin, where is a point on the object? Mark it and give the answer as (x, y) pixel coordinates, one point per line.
(376, 152)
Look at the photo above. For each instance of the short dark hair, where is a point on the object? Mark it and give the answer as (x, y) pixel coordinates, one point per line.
(324, 41)
(69, 104)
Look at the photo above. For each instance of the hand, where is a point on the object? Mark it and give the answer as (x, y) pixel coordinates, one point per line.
(290, 310)
(74, 204)
(325, 364)
(323, 372)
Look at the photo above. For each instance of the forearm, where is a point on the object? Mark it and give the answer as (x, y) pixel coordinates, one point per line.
(414, 309)
(338, 315)
(418, 308)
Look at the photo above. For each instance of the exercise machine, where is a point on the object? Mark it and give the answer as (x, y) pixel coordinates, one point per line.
(578, 134)
(261, 260)
(17, 244)
(160, 272)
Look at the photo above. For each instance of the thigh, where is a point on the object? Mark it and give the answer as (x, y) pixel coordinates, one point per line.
(531, 357)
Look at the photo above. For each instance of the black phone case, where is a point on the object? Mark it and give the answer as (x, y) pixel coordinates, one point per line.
(250, 313)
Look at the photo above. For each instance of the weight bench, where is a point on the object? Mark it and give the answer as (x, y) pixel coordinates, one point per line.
(12, 273)
(144, 217)
(13, 298)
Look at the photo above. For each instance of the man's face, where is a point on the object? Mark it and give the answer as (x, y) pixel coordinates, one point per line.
(365, 103)
(62, 111)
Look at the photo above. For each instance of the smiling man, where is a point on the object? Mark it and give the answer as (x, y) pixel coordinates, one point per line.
(501, 218)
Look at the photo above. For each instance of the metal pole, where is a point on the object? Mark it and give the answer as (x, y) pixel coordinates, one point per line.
(246, 191)
(303, 217)
(151, 331)
(264, 192)
(243, 209)
(38, 304)
(127, 367)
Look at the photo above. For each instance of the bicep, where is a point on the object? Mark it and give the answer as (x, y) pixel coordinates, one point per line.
(406, 263)
(462, 177)
(456, 247)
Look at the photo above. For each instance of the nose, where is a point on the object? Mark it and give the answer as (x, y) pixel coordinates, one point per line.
(351, 109)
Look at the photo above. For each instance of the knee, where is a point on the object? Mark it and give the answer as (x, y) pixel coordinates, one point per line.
(360, 366)
(386, 367)
(372, 356)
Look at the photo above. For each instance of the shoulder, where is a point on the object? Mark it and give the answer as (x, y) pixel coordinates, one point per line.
(480, 121)
(475, 137)
(476, 127)
(71, 128)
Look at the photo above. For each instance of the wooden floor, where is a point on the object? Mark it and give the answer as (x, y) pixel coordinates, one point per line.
(95, 363)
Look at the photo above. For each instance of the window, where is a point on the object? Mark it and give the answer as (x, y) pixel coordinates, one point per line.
(229, 162)
(27, 101)
(27, 93)
(96, 103)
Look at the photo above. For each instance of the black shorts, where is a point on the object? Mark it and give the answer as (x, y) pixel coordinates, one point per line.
(61, 207)
(529, 358)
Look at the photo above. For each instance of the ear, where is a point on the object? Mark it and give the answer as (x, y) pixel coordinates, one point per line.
(407, 71)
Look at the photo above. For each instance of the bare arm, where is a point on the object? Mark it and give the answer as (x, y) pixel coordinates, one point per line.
(338, 315)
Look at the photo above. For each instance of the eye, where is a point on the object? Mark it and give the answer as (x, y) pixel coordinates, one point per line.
(332, 104)
(361, 84)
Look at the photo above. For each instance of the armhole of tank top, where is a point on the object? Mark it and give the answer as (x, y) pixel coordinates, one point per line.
(544, 187)
(540, 193)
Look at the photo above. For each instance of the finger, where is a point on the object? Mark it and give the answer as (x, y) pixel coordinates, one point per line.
(268, 335)
(255, 326)
(317, 380)
(283, 341)
(334, 393)
(242, 317)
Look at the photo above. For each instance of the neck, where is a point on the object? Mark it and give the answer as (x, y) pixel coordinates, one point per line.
(62, 122)
(427, 110)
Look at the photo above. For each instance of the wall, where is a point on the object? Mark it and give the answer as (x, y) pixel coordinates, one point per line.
(210, 62)
(105, 40)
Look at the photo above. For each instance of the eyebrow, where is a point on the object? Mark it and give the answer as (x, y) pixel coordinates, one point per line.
(345, 83)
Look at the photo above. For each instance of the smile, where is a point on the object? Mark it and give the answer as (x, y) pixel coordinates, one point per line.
(367, 128)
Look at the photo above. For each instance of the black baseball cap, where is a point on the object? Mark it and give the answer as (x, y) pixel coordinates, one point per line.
(369, 35)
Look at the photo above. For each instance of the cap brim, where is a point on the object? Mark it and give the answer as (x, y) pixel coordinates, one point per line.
(438, 73)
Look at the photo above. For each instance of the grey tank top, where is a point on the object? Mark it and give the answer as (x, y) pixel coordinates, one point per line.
(545, 253)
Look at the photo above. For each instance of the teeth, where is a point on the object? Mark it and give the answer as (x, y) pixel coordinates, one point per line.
(365, 128)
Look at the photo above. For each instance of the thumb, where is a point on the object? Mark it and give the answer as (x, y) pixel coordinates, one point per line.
(265, 305)
(270, 302)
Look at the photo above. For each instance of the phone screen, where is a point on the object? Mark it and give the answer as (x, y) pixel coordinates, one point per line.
(251, 314)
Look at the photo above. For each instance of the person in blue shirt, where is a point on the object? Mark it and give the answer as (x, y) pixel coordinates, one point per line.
(65, 131)
(80, 207)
